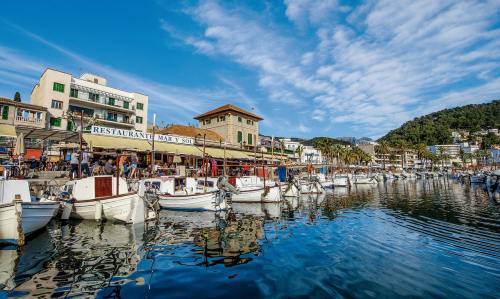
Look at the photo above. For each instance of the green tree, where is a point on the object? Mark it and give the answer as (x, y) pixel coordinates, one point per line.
(384, 150)
(17, 97)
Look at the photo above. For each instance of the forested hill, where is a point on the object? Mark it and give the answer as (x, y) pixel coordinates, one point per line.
(316, 139)
(436, 128)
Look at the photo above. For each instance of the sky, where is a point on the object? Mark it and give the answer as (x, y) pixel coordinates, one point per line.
(308, 67)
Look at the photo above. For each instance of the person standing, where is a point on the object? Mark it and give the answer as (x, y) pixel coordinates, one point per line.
(85, 163)
(74, 165)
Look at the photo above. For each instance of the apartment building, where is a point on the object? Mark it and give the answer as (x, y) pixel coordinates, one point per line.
(21, 114)
(237, 126)
(67, 98)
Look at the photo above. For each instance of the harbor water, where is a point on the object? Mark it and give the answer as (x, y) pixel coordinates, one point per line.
(416, 238)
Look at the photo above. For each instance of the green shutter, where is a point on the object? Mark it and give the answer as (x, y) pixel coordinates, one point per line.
(55, 122)
(58, 87)
(5, 112)
(140, 106)
(250, 139)
(125, 105)
(111, 101)
(69, 127)
(138, 119)
(240, 136)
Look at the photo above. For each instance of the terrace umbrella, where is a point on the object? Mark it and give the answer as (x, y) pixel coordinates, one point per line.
(19, 149)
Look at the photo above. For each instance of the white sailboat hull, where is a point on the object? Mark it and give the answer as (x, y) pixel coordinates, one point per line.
(311, 188)
(10, 225)
(258, 194)
(36, 215)
(203, 201)
(364, 181)
(340, 182)
(128, 208)
(291, 191)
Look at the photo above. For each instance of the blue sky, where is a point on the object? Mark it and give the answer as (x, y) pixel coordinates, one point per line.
(310, 68)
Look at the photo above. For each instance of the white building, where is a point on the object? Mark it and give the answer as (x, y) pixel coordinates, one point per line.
(311, 155)
(290, 145)
(61, 93)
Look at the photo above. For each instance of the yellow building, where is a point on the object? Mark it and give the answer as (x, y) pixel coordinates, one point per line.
(237, 126)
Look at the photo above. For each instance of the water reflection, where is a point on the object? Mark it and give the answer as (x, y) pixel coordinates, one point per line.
(416, 238)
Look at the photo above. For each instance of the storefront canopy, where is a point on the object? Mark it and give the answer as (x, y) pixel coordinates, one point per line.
(7, 131)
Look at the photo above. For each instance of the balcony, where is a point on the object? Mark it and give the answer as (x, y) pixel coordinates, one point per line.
(100, 104)
(111, 121)
(29, 121)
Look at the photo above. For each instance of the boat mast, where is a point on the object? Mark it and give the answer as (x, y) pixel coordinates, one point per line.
(153, 147)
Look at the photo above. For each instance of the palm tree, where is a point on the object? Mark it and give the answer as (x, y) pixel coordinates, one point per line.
(403, 147)
(461, 154)
(384, 150)
(442, 155)
(421, 150)
(299, 150)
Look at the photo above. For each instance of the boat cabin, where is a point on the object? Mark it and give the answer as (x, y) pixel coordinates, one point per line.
(95, 187)
(174, 185)
(248, 181)
(11, 190)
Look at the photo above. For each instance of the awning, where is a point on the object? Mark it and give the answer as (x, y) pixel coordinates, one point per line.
(8, 131)
(140, 145)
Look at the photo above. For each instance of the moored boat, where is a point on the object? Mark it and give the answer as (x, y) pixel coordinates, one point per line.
(185, 193)
(96, 198)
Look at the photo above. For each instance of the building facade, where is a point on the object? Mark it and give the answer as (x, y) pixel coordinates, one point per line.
(22, 114)
(67, 98)
(237, 126)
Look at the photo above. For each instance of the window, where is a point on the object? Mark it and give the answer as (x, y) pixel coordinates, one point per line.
(240, 136)
(250, 139)
(69, 126)
(138, 119)
(96, 81)
(126, 119)
(86, 111)
(93, 97)
(240, 119)
(125, 104)
(73, 93)
(222, 118)
(112, 116)
(111, 101)
(208, 121)
(249, 122)
(5, 112)
(58, 87)
(55, 122)
(56, 104)
(140, 106)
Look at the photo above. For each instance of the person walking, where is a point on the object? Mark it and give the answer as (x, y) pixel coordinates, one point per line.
(74, 165)
(133, 165)
(108, 167)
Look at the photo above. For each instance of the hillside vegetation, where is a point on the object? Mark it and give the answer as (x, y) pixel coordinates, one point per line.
(436, 128)
(315, 140)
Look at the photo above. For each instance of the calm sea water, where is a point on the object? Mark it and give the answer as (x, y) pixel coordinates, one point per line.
(424, 238)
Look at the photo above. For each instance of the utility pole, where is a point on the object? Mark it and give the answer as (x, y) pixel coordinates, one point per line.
(153, 147)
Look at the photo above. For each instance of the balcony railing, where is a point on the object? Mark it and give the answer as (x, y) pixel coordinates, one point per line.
(105, 118)
(106, 103)
(28, 120)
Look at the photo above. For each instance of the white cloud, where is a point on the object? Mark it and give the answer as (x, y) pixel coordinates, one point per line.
(373, 70)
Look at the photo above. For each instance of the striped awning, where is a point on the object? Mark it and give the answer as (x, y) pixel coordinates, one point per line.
(8, 131)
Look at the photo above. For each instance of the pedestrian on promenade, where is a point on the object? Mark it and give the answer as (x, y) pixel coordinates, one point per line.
(85, 163)
(108, 167)
(74, 165)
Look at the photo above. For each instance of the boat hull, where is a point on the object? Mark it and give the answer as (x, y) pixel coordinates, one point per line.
(10, 224)
(311, 188)
(290, 191)
(36, 215)
(258, 194)
(340, 182)
(196, 202)
(128, 208)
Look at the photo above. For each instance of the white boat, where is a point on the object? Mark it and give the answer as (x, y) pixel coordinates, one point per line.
(253, 189)
(19, 216)
(325, 182)
(290, 189)
(361, 179)
(311, 187)
(340, 180)
(185, 193)
(96, 198)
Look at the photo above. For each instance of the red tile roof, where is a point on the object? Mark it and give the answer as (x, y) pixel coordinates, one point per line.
(189, 131)
(22, 105)
(228, 108)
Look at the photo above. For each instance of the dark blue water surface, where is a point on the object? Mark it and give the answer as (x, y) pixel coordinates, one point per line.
(424, 238)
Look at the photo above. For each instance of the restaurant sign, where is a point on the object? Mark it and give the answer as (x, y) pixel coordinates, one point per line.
(114, 132)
